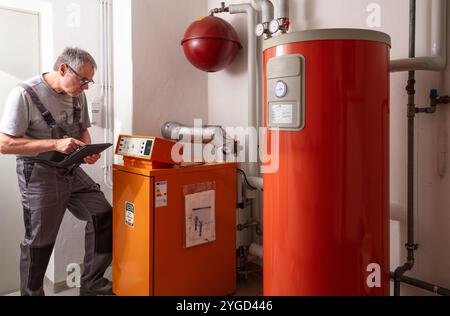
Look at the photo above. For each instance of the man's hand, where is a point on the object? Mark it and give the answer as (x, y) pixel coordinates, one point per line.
(68, 145)
(91, 160)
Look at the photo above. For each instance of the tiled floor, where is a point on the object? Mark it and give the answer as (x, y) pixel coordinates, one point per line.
(49, 292)
(249, 284)
(48, 287)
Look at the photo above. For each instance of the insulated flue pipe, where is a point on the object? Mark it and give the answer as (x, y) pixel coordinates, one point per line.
(179, 132)
(438, 60)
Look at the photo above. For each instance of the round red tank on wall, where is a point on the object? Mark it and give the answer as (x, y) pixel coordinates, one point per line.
(211, 44)
(326, 204)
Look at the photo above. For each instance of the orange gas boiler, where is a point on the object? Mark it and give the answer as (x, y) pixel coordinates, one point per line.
(174, 228)
(326, 208)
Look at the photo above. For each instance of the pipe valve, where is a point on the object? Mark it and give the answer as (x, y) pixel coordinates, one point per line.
(435, 100)
(281, 25)
(222, 9)
(284, 24)
(263, 28)
(267, 15)
(283, 15)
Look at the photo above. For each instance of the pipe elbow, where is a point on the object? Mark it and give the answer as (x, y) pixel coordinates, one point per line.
(256, 182)
(438, 63)
(400, 271)
(409, 265)
(267, 10)
(282, 9)
(241, 8)
(438, 60)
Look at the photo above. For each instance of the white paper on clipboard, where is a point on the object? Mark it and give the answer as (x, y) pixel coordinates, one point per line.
(200, 218)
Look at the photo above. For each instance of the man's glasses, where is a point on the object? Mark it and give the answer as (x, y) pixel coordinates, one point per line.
(83, 81)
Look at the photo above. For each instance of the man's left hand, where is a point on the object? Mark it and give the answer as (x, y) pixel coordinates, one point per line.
(91, 160)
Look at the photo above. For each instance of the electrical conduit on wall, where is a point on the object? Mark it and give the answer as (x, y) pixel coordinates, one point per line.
(107, 86)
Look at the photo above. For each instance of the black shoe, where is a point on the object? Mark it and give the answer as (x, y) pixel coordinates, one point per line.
(105, 290)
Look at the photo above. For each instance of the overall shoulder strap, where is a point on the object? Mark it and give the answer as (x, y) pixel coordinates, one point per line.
(76, 110)
(34, 97)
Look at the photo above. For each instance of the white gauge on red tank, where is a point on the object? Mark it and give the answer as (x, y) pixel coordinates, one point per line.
(281, 89)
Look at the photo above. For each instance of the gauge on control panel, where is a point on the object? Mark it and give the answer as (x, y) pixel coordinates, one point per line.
(281, 89)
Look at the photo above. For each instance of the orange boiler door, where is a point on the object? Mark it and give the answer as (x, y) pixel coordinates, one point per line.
(132, 237)
(204, 270)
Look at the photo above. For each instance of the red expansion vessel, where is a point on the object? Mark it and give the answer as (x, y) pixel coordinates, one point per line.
(211, 44)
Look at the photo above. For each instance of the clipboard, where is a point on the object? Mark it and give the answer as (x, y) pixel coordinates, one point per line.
(77, 157)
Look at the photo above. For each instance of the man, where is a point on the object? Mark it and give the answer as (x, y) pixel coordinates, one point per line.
(45, 119)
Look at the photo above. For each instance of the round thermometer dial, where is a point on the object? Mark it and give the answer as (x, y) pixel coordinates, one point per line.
(281, 89)
(259, 29)
(274, 26)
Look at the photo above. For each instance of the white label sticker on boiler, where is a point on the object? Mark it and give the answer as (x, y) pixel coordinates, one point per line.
(282, 114)
(161, 194)
(129, 214)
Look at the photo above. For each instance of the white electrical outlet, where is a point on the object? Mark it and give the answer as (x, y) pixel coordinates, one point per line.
(96, 111)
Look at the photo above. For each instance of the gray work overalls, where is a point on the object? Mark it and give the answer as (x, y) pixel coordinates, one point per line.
(47, 191)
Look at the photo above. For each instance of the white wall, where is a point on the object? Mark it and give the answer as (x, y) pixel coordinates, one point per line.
(18, 61)
(123, 67)
(166, 87)
(432, 201)
(433, 182)
(225, 108)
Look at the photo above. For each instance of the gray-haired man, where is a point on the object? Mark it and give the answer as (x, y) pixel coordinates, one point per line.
(46, 118)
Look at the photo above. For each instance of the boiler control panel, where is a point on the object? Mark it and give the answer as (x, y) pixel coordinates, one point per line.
(136, 147)
(148, 151)
(286, 93)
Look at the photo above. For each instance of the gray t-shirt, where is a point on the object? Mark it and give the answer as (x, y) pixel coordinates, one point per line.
(21, 117)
